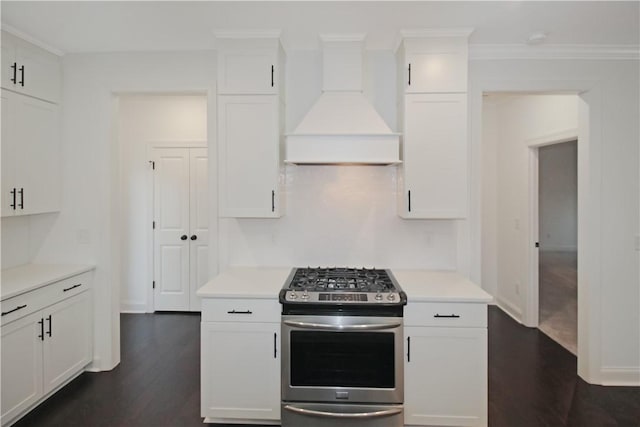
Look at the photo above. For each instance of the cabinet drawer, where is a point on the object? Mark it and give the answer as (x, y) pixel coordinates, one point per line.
(240, 310)
(446, 314)
(45, 296)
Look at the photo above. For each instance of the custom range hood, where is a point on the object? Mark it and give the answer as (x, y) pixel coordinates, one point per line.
(342, 127)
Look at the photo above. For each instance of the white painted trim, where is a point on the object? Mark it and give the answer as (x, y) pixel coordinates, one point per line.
(532, 288)
(30, 39)
(557, 51)
(133, 307)
(508, 307)
(620, 376)
(436, 32)
(343, 37)
(553, 138)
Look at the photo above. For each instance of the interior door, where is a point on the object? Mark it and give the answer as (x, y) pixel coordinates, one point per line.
(199, 223)
(171, 233)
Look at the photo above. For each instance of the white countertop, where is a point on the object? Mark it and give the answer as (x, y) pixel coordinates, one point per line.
(419, 285)
(25, 278)
(439, 286)
(246, 282)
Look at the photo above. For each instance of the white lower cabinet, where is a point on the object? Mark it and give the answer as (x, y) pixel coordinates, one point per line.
(446, 372)
(240, 372)
(46, 347)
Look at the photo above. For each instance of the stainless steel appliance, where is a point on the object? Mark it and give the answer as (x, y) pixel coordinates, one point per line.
(342, 343)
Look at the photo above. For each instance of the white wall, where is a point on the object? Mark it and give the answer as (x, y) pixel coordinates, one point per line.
(91, 167)
(513, 121)
(558, 196)
(609, 274)
(145, 121)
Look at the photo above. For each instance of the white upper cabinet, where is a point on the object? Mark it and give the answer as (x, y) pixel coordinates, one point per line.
(253, 65)
(31, 181)
(250, 125)
(433, 61)
(432, 115)
(30, 70)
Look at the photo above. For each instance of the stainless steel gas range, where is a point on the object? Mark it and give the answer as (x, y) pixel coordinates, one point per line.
(342, 344)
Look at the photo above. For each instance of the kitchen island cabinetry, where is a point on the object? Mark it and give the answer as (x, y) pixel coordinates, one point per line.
(46, 333)
(250, 125)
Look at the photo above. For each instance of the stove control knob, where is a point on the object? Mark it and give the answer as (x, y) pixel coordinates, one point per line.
(293, 295)
(305, 295)
(391, 297)
(378, 296)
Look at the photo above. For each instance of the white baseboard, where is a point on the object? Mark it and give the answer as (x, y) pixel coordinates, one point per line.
(513, 311)
(620, 376)
(132, 307)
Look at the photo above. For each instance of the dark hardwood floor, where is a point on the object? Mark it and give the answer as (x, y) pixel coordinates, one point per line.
(532, 382)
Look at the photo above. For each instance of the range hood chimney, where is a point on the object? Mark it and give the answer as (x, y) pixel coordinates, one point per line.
(342, 127)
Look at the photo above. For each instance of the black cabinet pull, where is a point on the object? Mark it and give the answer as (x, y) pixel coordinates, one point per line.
(272, 71)
(409, 198)
(21, 198)
(13, 195)
(273, 200)
(183, 237)
(194, 237)
(72, 287)
(15, 72)
(41, 323)
(22, 74)
(240, 312)
(20, 307)
(408, 349)
(409, 74)
(446, 316)
(275, 345)
(49, 320)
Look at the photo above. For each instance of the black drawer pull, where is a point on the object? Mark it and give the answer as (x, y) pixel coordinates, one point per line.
(22, 72)
(14, 67)
(20, 307)
(447, 316)
(72, 287)
(240, 312)
(49, 320)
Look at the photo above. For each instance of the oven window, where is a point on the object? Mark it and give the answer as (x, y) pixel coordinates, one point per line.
(343, 359)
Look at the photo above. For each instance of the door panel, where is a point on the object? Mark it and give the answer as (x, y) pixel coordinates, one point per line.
(171, 213)
(8, 151)
(199, 223)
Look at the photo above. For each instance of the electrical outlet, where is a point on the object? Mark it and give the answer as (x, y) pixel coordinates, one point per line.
(516, 224)
(84, 236)
(517, 288)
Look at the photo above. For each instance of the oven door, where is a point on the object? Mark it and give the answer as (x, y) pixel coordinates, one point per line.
(342, 359)
(341, 415)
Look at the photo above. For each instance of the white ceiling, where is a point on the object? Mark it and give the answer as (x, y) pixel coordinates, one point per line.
(95, 26)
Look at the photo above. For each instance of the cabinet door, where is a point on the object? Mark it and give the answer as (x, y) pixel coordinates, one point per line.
(8, 152)
(8, 60)
(198, 223)
(171, 237)
(437, 65)
(445, 376)
(21, 365)
(68, 339)
(249, 149)
(39, 73)
(37, 156)
(240, 371)
(247, 71)
(434, 157)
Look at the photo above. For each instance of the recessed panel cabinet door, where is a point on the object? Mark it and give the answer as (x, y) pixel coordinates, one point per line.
(39, 73)
(251, 389)
(199, 223)
(435, 152)
(445, 376)
(171, 238)
(248, 139)
(68, 339)
(247, 71)
(21, 365)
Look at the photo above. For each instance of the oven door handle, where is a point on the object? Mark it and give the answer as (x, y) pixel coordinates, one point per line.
(324, 326)
(356, 415)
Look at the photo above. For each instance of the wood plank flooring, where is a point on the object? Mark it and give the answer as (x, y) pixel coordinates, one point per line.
(532, 382)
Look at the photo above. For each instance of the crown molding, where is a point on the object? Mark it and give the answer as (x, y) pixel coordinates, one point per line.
(346, 37)
(28, 38)
(549, 51)
(431, 33)
(248, 34)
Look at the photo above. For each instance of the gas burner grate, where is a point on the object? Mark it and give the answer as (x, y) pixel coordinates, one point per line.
(327, 279)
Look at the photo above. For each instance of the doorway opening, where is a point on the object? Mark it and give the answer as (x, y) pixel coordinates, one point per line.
(159, 136)
(530, 238)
